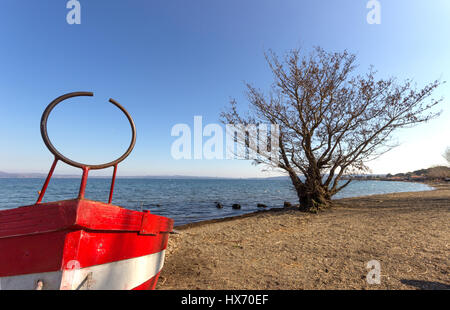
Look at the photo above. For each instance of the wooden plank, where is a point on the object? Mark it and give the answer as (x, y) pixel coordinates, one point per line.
(78, 214)
(38, 219)
(101, 247)
(95, 215)
(31, 254)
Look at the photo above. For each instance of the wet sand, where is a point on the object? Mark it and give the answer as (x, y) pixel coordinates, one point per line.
(408, 233)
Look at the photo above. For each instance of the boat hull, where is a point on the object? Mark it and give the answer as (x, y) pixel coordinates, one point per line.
(81, 244)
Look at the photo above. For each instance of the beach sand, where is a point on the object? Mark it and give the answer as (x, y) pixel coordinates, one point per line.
(408, 233)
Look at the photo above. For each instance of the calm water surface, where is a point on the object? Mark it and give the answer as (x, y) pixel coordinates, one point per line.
(187, 200)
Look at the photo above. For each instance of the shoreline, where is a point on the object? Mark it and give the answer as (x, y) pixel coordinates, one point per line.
(281, 248)
(435, 186)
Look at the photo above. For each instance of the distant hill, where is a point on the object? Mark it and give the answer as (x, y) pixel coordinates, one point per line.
(5, 175)
(21, 175)
(433, 173)
(438, 173)
(430, 174)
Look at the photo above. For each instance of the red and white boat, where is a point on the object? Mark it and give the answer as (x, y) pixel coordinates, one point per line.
(80, 243)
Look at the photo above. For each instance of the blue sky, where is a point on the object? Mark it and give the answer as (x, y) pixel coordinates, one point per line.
(167, 61)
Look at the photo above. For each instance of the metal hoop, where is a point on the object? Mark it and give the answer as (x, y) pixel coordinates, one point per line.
(68, 161)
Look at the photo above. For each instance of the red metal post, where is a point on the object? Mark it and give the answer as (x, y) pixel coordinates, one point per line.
(111, 191)
(83, 182)
(49, 176)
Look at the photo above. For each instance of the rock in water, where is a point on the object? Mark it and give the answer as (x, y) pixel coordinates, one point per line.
(261, 205)
(236, 206)
(219, 205)
(287, 204)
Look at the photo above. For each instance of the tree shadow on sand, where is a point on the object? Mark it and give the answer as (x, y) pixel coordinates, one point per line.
(426, 285)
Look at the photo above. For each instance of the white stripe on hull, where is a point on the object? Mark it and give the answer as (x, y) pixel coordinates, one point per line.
(120, 275)
(52, 281)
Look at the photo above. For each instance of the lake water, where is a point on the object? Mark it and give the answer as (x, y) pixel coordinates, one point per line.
(184, 200)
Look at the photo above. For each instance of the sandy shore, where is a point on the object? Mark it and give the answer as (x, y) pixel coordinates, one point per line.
(408, 233)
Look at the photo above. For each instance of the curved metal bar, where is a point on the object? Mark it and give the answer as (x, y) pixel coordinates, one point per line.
(68, 161)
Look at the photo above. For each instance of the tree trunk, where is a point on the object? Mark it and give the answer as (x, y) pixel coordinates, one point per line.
(312, 195)
(314, 201)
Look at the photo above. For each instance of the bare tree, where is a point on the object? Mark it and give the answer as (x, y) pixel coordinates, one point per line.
(438, 172)
(331, 120)
(447, 155)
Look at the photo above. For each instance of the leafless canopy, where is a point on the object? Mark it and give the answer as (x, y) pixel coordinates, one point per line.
(447, 155)
(332, 121)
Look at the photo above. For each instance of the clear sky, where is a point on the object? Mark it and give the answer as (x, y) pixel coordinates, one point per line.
(167, 61)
